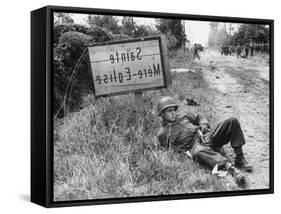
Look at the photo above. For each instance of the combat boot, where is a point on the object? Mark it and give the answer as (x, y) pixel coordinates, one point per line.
(239, 177)
(242, 163)
(240, 160)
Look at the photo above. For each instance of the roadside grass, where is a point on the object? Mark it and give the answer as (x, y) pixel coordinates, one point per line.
(109, 148)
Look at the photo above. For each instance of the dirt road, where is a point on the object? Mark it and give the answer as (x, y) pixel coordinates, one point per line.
(241, 88)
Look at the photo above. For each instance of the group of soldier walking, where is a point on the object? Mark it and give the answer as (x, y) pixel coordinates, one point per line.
(248, 47)
(242, 50)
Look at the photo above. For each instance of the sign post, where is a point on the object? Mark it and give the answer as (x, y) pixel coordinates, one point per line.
(133, 65)
(139, 99)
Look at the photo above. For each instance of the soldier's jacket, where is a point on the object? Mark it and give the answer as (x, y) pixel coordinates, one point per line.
(196, 50)
(179, 134)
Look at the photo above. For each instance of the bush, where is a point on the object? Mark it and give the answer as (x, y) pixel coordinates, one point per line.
(172, 27)
(143, 31)
(66, 55)
(172, 41)
(70, 40)
(97, 33)
(60, 29)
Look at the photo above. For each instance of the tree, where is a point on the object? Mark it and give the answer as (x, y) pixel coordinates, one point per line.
(66, 54)
(213, 34)
(128, 26)
(172, 27)
(144, 30)
(62, 18)
(60, 29)
(107, 22)
(251, 33)
(68, 50)
(223, 38)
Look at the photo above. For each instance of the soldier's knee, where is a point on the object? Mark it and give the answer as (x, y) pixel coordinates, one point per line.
(197, 151)
(196, 155)
(232, 120)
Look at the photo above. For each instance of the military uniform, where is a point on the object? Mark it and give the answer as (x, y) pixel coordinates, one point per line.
(252, 49)
(196, 52)
(246, 51)
(180, 133)
(239, 50)
(181, 136)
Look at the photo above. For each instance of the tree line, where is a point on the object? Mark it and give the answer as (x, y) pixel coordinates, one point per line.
(225, 34)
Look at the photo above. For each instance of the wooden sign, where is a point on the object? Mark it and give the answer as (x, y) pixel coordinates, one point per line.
(126, 66)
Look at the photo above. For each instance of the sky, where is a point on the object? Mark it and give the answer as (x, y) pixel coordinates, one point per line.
(196, 31)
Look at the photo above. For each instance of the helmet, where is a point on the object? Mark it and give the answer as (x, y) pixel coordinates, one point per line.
(164, 103)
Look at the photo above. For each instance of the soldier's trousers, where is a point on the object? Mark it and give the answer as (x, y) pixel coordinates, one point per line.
(196, 55)
(224, 132)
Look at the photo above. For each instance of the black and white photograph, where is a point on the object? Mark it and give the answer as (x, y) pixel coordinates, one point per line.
(140, 107)
(149, 106)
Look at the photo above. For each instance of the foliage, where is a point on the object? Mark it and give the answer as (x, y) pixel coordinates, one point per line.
(256, 33)
(218, 35)
(172, 41)
(128, 28)
(172, 28)
(60, 29)
(109, 23)
(143, 31)
(247, 33)
(135, 31)
(98, 34)
(66, 54)
(70, 40)
(121, 37)
(62, 18)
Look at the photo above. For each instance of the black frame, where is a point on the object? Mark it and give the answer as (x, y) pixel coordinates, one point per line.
(41, 105)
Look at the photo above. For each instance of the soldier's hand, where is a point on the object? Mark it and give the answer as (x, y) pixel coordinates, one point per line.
(205, 128)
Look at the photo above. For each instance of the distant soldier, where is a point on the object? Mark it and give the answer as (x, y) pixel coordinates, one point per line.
(246, 50)
(196, 52)
(189, 133)
(252, 48)
(239, 50)
(232, 50)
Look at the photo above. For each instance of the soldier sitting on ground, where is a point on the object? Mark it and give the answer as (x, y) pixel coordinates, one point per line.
(180, 133)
